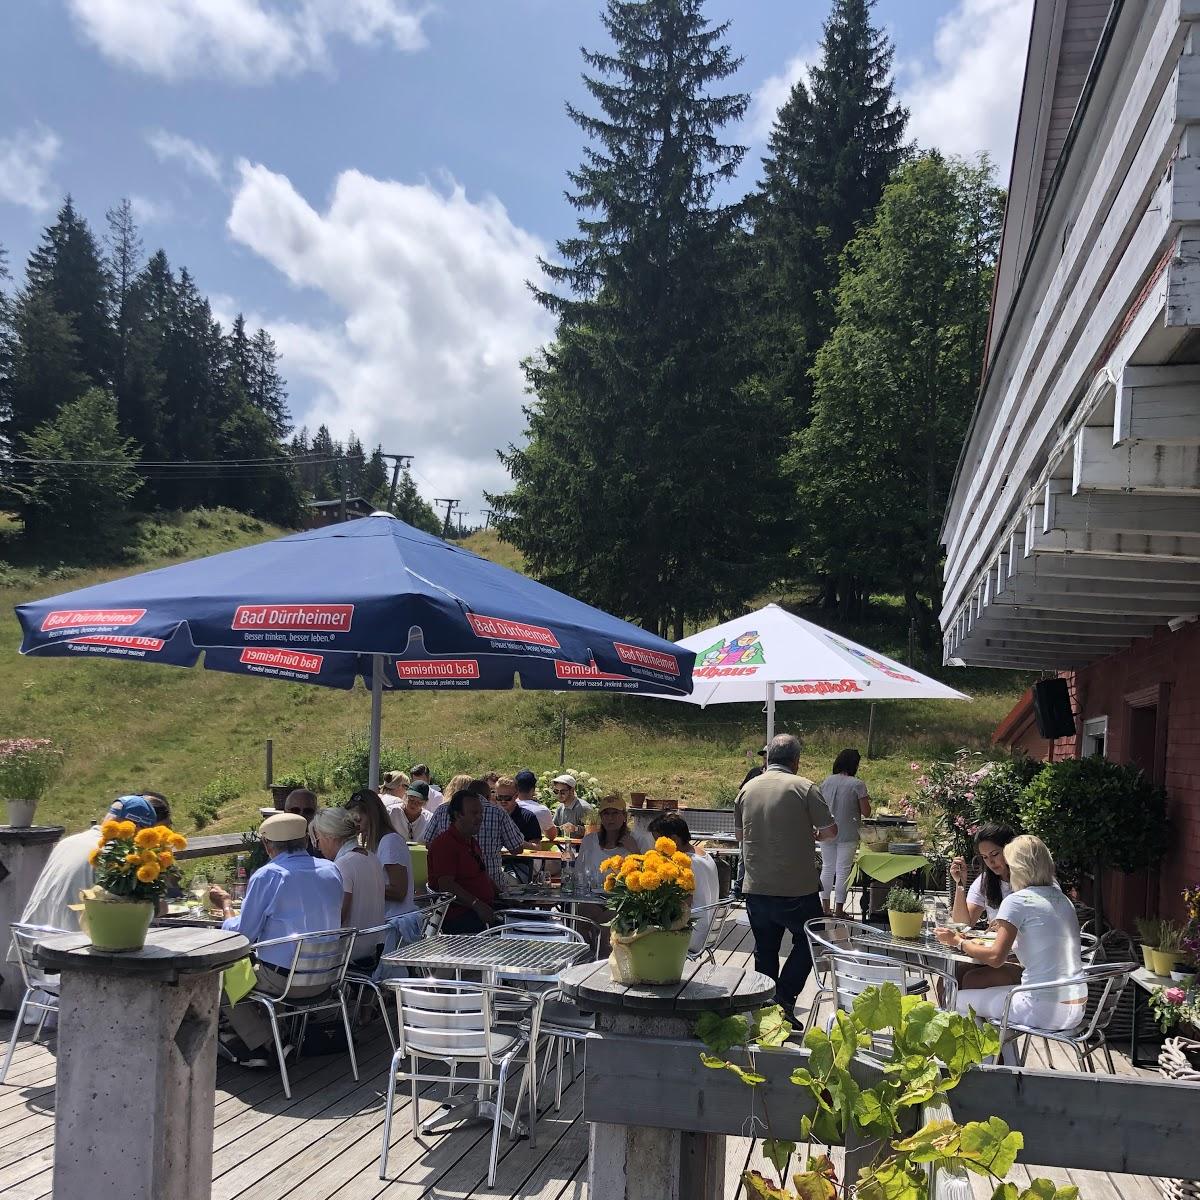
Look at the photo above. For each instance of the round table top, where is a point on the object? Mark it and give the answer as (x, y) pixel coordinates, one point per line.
(167, 954)
(704, 988)
(31, 835)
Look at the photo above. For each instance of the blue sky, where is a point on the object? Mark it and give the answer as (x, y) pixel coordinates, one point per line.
(373, 179)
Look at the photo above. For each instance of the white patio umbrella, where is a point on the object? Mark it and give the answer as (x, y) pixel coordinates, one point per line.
(772, 654)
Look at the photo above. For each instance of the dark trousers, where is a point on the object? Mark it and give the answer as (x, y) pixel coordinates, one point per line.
(770, 918)
(463, 921)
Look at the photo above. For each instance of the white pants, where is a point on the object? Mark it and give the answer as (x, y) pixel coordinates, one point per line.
(1031, 1009)
(837, 861)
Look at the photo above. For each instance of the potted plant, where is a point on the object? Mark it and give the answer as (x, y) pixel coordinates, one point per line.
(650, 896)
(28, 766)
(284, 786)
(1169, 949)
(1174, 1006)
(130, 866)
(905, 912)
(1149, 934)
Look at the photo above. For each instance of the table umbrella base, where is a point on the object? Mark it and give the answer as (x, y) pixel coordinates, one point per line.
(468, 1110)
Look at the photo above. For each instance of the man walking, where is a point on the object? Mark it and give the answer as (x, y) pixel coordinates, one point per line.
(778, 819)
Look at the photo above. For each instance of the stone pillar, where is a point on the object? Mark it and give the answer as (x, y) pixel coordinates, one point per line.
(23, 854)
(137, 1063)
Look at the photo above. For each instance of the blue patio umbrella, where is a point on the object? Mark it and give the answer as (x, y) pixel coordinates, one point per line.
(373, 598)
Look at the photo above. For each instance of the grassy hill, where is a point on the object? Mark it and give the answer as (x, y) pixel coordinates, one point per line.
(130, 725)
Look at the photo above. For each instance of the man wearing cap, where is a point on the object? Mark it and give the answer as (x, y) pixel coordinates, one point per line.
(778, 819)
(68, 872)
(497, 831)
(570, 814)
(420, 774)
(526, 782)
(293, 893)
(456, 864)
(410, 820)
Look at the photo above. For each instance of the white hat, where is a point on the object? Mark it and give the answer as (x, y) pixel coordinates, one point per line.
(283, 827)
(569, 780)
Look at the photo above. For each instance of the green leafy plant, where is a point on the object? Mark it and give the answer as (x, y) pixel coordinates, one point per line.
(1149, 930)
(903, 900)
(28, 766)
(930, 1052)
(1171, 937)
(207, 803)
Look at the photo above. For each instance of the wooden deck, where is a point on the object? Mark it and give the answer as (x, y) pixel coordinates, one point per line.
(323, 1143)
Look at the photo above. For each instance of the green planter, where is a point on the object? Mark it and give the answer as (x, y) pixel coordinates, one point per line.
(117, 924)
(653, 956)
(420, 864)
(905, 924)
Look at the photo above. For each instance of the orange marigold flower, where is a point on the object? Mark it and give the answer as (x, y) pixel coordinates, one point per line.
(165, 859)
(148, 872)
(94, 856)
(665, 845)
(146, 839)
(681, 860)
(126, 829)
(178, 841)
(133, 860)
(110, 829)
(609, 883)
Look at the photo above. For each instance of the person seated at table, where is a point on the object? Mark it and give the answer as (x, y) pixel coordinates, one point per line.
(411, 819)
(613, 838)
(393, 787)
(303, 803)
(456, 865)
(847, 798)
(363, 880)
(526, 782)
(376, 834)
(570, 813)
(1037, 921)
(497, 833)
(292, 893)
(704, 868)
(991, 885)
(506, 800)
(421, 774)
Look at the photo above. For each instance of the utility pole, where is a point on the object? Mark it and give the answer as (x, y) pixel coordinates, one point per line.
(460, 515)
(451, 505)
(400, 462)
(488, 514)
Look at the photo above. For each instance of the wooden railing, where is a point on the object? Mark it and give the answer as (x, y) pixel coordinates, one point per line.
(211, 845)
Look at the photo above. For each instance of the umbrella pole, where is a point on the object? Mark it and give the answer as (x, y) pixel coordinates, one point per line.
(770, 712)
(562, 738)
(870, 726)
(376, 717)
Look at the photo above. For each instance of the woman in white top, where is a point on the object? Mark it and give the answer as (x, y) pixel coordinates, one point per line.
(847, 798)
(615, 838)
(376, 834)
(363, 878)
(1039, 923)
(704, 868)
(991, 884)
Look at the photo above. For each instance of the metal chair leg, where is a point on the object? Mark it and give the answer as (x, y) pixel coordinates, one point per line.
(387, 1116)
(558, 1070)
(497, 1121)
(349, 1035)
(37, 1033)
(416, 1116)
(12, 1041)
(283, 1071)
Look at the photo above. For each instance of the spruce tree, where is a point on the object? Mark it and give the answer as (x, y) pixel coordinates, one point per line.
(641, 485)
(834, 145)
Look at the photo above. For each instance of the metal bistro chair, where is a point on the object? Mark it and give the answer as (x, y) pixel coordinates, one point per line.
(1106, 982)
(24, 938)
(455, 1023)
(563, 920)
(433, 907)
(716, 914)
(319, 960)
(364, 981)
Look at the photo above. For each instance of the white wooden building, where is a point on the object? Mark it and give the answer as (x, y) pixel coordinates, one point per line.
(1072, 532)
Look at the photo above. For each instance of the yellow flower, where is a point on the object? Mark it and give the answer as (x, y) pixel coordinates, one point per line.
(610, 882)
(669, 871)
(165, 859)
(110, 829)
(665, 845)
(133, 860)
(610, 863)
(633, 881)
(94, 857)
(126, 829)
(687, 881)
(148, 872)
(681, 860)
(629, 864)
(146, 839)
(650, 880)
(178, 841)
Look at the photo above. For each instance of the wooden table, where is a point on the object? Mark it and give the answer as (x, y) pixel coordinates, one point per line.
(642, 1161)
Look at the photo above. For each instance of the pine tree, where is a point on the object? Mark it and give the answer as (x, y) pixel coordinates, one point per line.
(268, 389)
(834, 145)
(375, 480)
(638, 399)
(45, 371)
(411, 508)
(324, 453)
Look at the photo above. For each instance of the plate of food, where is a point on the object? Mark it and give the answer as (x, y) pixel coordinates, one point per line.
(985, 937)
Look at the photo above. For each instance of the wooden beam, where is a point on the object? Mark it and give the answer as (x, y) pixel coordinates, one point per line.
(1101, 1122)
(1040, 620)
(1134, 467)
(1149, 604)
(1158, 404)
(1126, 547)
(1151, 516)
(1044, 566)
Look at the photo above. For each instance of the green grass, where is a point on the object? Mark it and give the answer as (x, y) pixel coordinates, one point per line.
(128, 726)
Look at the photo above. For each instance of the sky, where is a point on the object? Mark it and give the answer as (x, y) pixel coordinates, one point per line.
(374, 180)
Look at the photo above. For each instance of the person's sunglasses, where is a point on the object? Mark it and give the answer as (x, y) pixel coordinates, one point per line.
(303, 812)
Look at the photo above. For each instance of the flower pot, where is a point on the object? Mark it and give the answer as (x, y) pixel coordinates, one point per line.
(1148, 957)
(1164, 962)
(420, 864)
(905, 924)
(652, 956)
(1184, 978)
(117, 924)
(20, 813)
(637, 799)
(280, 793)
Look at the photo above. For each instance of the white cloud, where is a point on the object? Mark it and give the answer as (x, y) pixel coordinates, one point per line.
(772, 93)
(194, 158)
(245, 41)
(25, 161)
(434, 316)
(966, 100)
(147, 211)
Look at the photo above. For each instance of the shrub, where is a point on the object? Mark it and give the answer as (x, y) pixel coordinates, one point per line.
(216, 792)
(903, 900)
(998, 789)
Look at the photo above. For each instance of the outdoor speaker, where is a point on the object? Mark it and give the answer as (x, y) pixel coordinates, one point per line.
(1052, 708)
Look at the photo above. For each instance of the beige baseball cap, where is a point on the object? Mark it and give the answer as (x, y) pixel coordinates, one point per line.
(284, 827)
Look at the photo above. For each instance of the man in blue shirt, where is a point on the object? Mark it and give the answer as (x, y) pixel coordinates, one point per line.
(293, 893)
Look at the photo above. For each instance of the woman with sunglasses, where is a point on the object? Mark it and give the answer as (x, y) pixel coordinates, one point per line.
(375, 832)
(614, 838)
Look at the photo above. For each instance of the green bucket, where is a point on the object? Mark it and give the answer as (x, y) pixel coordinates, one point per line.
(420, 864)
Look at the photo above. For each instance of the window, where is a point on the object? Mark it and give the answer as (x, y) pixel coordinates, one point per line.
(1095, 735)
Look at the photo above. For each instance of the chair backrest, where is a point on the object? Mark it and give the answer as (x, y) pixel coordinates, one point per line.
(319, 960)
(1090, 949)
(433, 907)
(24, 938)
(832, 935)
(444, 1019)
(852, 972)
(1106, 984)
(536, 931)
(715, 915)
(530, 916)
